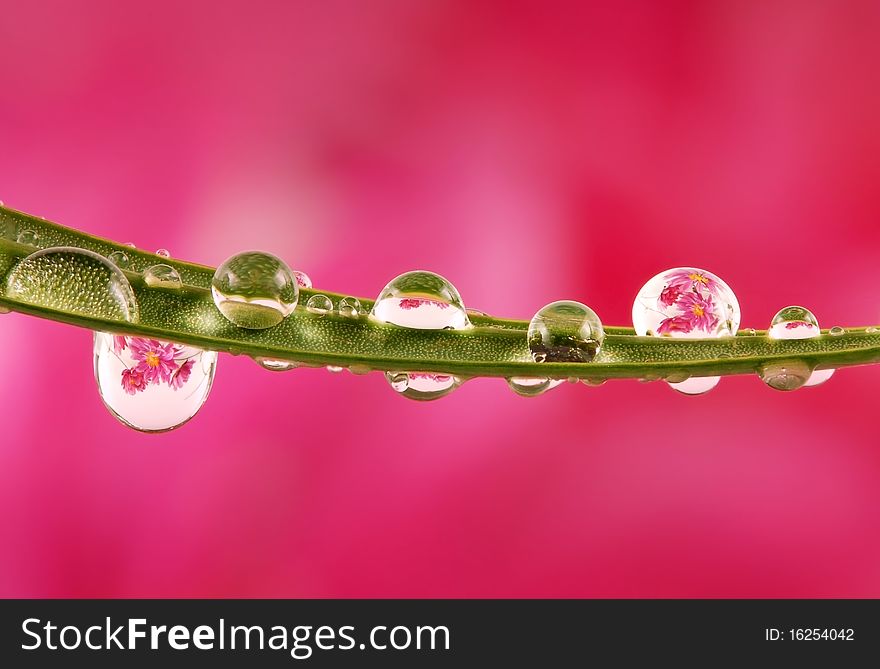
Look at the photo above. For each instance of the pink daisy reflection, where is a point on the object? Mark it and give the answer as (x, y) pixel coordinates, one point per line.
(669, 295)
(699, 310)
(181, 375)
(690, 278)
(133, 381)
(416, 302)
(675, 324)
(155, 360)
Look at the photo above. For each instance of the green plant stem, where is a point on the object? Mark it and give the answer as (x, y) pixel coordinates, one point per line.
(492, 347)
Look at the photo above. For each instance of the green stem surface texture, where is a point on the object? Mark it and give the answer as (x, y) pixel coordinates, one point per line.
(492, 347)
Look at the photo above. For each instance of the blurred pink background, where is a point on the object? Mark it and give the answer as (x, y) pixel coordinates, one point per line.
(528, 152)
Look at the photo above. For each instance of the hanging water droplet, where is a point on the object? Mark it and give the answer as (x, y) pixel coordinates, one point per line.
(302, 279)
(350, 307)
(696, 385)
(837, 331)
(151, 385)
(677, 377)
(422, 386)
(274, 365)
(165, 253)
(254, 290)
(531, 386)
(4, 310)
(565, 331)
(593, 383)
(162, 276)
(334, 369)
(28, 237)
(360, 370)
(687, 302)
(421, 300)
(786, 375)
(319, 304)
(75, 281)
(119, 258)
(796, 322)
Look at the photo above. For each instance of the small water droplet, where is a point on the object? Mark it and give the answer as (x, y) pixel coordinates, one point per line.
(130, 245)
(4, 310)
(687, 302)
(350, 307)
(750, 332)
(477, 312)
(162, 276)
(531, 386)
(359, 370)
(837, 331)
(786, 375)
(872, 330)
(302, 279)
(119, 258)
(150, 385)
(319, 304)
(565, 331)
(421, 300)
(274, 365)
(794, 322)
(422, 386)
(334, 369)
(28, 237)
(677, 377)
(73, 280)
(165, 253)
(593, 383)
(254, 290)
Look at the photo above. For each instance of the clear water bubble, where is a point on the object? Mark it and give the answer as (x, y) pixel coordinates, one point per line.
(350, 307)
(531, 386)
(786, 375)
(120, 259)
(75, 281)
(837, 331)
(165, 253)
(422, 386)
(152, 385)
(28, 237)
(334, 369)
(565, 331)
(274, 365)
(319, 304)
(691, 303)
(162, 276)
(795, 322)
(302, 279)
(254, 290)
(421, 300)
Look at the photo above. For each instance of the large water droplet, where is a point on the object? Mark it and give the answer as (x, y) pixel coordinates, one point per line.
(786, 375)
(687, 302)
(302, 279)
(162, 276)
(320, 305)
(73, 280)
(422, 300)
(28, 237)
(254, 290)
(422, 386)
(796, 322)
(151, 385)
(350, 307)
(529, 386)
(565, 331)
